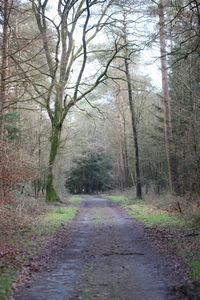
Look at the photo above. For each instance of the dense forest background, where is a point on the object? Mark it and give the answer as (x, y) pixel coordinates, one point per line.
(78, 112)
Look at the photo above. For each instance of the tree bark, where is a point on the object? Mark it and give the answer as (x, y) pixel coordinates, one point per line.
(130, 96)
(60, 63)
(4, 66)
(171, 158)
(123, 146)
(51, 195)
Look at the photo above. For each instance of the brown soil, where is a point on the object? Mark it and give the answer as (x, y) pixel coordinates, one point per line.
(107, 257)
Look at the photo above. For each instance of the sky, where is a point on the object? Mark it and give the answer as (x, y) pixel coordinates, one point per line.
(149, 64)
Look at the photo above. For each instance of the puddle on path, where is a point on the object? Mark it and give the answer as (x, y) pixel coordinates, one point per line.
(107, 259)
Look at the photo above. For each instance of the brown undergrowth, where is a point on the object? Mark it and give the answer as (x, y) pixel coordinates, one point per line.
(17, 220)
(27, 227)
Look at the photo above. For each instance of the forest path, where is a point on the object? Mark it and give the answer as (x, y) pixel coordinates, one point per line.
(107, 259)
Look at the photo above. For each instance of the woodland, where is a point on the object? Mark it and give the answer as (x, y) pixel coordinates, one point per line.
(97, 97)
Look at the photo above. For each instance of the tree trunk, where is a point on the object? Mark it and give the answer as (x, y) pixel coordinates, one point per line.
(130, 95)
(51, 195)
(122, 139)
(171, 158)
(4, 66)
(125, 153)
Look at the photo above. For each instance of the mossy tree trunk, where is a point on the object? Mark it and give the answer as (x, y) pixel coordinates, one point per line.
(51, 195)
(61, 56)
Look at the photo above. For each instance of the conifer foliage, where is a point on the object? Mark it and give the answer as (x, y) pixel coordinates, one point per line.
(90, 174)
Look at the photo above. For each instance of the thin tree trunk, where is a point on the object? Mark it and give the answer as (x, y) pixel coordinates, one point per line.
(171, 159)
(4, 66)
(122, 143)
(39, 180)
(120, 177)
(126, 161)
(125, 153)
(130, 95)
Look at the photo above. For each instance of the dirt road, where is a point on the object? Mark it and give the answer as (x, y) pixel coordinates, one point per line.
(107, 259)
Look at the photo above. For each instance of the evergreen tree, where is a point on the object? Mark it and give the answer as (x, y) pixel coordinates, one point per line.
(90, 174)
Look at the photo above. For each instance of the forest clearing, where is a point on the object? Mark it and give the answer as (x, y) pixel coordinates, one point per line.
(99, 149)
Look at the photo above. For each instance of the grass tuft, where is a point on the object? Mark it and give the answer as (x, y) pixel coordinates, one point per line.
(6, 279)
(195, 265)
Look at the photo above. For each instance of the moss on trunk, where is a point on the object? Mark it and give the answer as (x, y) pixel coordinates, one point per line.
(51, 194)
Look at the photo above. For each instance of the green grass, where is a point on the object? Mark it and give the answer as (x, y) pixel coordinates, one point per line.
(195, 265)
(75, 199)
(59, 216)
(121, 199)
(124, 200)
(6, 280)
(31, 237)
(196, 222)
(150, 217)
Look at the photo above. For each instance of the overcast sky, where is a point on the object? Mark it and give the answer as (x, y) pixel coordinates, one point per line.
(149, 63)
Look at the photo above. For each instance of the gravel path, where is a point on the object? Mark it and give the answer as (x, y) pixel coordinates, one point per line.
(107, 259)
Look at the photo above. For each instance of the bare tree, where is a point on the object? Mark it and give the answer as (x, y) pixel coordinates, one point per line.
(59, 90)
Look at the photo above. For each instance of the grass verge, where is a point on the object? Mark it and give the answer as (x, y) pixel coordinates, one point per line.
(75, 199)
(150, 216)
(119, 199)
(183, 233)
(57, 217)
(6, 279)
(25, 236)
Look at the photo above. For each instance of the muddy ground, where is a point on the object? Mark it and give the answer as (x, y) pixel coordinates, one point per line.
(107, 258)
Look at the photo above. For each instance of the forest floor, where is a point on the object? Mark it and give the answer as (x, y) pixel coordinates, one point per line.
(105, 254)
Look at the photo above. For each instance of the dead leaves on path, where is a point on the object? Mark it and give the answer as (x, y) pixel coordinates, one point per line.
(180, 247)
(191, 291)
